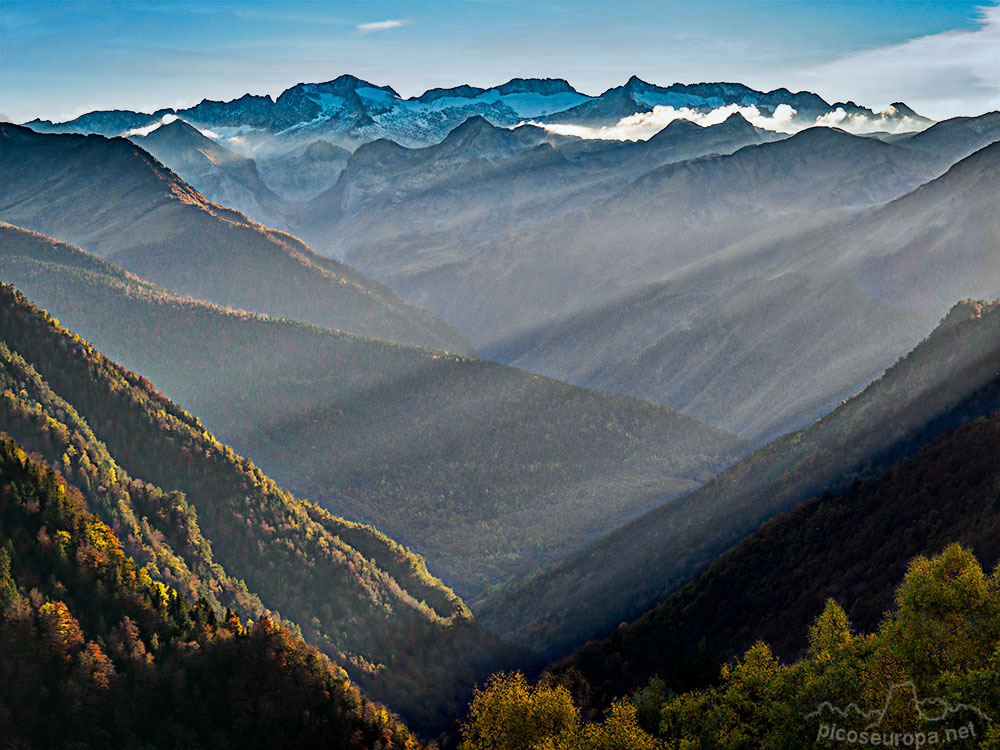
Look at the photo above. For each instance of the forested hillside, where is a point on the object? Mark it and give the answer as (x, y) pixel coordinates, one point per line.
(945, 381)
(485, 470)
(159, 530)
(96, 654)
(365, 600)
(115, 200)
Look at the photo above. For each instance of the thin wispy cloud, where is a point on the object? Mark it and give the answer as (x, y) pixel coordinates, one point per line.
(165, 120)
(940, 75)
(368, 28)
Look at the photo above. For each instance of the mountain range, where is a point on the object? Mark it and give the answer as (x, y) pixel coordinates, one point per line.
(482, 180)
(733, 338)
(349, 111)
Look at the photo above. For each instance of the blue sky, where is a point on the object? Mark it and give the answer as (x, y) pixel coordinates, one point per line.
(58, 60)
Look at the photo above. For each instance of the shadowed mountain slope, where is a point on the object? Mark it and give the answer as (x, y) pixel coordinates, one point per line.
(853, 546)
(776, 329)
(486, 470)
(622, 575)
(223, 176)
(112, 198)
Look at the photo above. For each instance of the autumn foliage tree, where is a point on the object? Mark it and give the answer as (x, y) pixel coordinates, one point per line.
(510, 714)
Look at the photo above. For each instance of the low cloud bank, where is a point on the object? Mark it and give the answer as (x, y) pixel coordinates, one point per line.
(643, 125)
(884, 121)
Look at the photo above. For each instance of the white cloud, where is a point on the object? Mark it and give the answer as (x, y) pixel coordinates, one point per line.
(165, 120)
(368, 28)
(953, 73)
(644, 125)
(858, 123)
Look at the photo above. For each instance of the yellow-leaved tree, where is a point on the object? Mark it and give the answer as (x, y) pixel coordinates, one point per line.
(510, 714)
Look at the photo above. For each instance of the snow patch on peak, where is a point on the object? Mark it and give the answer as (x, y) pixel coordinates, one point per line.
(519, 102)
(378, 96)
(532, 104)
(330, 104)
